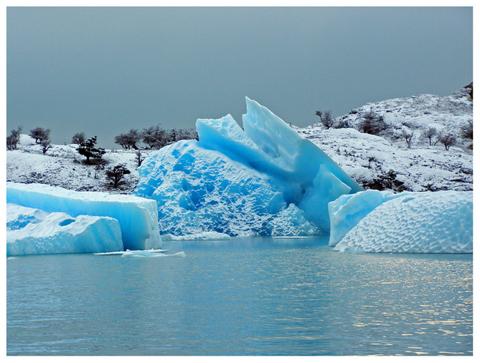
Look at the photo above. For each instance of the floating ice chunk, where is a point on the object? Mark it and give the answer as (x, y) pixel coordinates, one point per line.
(346, 211)
(137, 216)
(427, 222)
(236, 182)
(119, 253)
(202, 236)
(34, 232)
(151, 253)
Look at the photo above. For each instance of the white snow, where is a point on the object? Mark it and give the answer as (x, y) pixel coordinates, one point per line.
(63, 166)
(368, 158)
(425, 222)
(34, 232)
(385, 162)
(137, 216)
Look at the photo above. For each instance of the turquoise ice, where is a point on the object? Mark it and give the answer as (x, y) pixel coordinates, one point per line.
(243, 181)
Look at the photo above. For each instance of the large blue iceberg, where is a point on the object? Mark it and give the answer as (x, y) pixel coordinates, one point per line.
(262, 180)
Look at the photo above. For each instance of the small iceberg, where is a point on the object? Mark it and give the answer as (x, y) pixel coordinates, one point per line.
(142, 253)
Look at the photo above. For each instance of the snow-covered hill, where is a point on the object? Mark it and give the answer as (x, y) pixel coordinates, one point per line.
(63, 166)
(380, 161)
(384, 161)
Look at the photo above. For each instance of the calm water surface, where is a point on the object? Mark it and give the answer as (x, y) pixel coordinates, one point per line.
(249, 297)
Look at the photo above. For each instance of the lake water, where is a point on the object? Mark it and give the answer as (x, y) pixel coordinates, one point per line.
(241, 297)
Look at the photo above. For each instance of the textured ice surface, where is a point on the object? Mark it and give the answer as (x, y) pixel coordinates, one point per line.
(200, 190)
(34, 232)
(292, 222)
(263, 180)
(348, 210)
(137, 216)
(426, 222)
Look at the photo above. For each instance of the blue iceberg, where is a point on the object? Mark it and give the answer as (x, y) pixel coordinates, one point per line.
(137, 217)
(262, 180)
(424, 222)
(34, 232)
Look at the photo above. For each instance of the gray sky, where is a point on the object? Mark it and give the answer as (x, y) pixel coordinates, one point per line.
(105, 70)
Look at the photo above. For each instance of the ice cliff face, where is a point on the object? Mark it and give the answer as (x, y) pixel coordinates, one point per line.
(261, 180)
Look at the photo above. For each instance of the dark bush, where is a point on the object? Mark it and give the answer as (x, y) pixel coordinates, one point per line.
(39, 134)
(372, 123)
(78, 138)
(90, 151)
(116, 175)
(13, 138)
(447, 140)
(326, 118)
(129, 140)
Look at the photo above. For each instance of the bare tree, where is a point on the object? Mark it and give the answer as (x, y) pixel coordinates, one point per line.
(186, 134)
(78, 138)
(372, 123)
(129, 140)
(326, 118)
(447, 140)
(39, 134)
(467, 130)
(407, 135)
(429, 134)
(45, 143)
(13, 138)
(139, 158)
(155, 137)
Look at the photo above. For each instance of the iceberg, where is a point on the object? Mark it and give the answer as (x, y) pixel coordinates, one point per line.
(424, 222)
(199, 190)
(262, 180)
(34, 232)
(347, 210)
(136, 216)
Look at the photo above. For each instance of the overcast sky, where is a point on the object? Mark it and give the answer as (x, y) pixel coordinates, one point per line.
(105, 70)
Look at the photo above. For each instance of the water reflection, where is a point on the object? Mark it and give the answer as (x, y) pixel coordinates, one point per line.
(257, 296)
